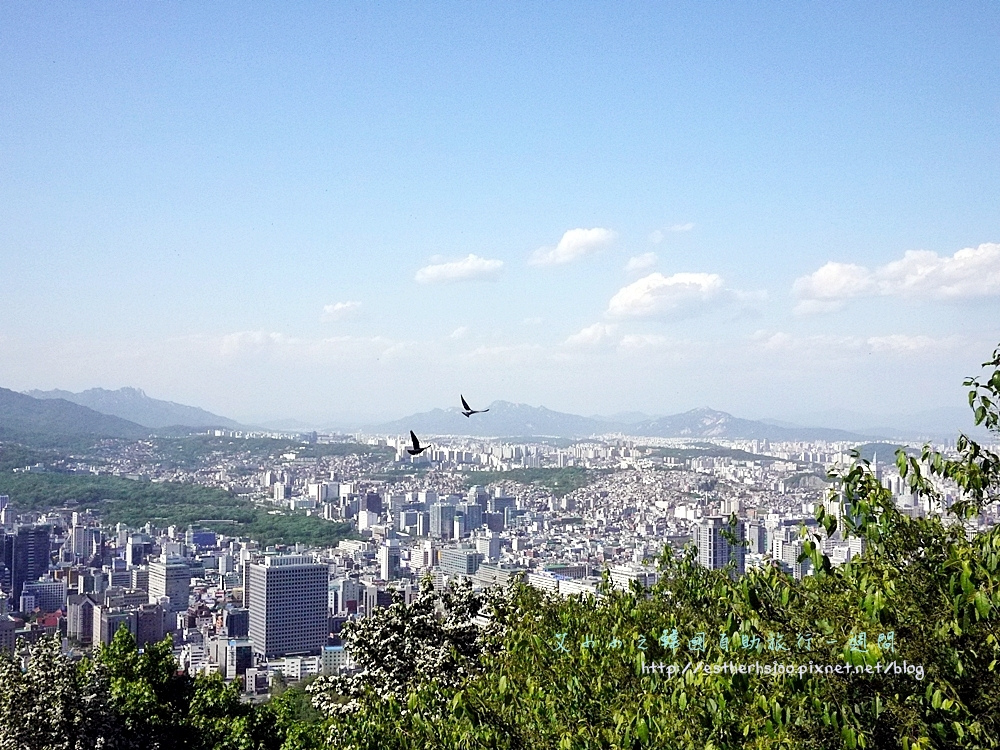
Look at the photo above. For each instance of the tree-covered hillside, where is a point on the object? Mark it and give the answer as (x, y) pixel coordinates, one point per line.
(135, 503)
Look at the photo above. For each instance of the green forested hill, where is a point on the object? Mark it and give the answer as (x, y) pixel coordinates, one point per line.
(134, 503)
(47, 422)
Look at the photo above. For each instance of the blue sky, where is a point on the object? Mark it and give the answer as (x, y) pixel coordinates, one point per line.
(355, 211)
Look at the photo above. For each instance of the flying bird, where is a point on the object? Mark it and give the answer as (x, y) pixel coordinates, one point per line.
(468, 410)
(416, 450)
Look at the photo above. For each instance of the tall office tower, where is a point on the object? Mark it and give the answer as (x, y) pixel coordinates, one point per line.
(8, 633)
(236, 621)
(498, 504)
(151, 624)
(477, 494)
(756, 538)
(427, 497)
(170, 578)
(423, 523)
(372, 502)
(458, 527)
(288, 605)
(494, 521)
(473, 515)
(442, 520)
(6, 561)
(388, 560)
(30, 556)
(714, 550)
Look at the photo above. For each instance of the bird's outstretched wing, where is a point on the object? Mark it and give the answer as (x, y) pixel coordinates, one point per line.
(416, 443)
(465, 404)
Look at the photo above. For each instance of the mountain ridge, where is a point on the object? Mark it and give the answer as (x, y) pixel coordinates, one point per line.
(507, 418)
(133, 405)
(28, 419)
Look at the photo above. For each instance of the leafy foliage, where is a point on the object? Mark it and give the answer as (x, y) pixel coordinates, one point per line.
(128, 700)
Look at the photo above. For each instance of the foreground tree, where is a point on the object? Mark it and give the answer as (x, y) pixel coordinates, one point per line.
(123, 700)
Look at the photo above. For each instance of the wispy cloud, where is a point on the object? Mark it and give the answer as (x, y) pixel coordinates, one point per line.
(641, 262)
(919, 274)
(340, 310)
(827, 345)
(682, 227)
(640, 341)
(472, 268)
(460, 332)
(574, 244)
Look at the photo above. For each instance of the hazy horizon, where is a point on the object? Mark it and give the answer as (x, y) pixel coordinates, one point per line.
(355, 213)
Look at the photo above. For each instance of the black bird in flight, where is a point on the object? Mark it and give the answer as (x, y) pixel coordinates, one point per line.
(416, 450)
(468, 410)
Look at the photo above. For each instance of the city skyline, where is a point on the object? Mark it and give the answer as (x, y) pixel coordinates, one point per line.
(353, 213)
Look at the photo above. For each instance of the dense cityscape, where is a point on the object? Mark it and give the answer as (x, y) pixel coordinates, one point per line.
(486, 510)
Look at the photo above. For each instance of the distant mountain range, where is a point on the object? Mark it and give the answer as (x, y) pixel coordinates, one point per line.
(33, 420)
(135, 406)
(507, 419)
(130, 413)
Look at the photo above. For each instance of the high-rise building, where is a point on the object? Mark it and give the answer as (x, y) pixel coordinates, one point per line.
(442, 520)
(288, 605)
(473, 515)
(488, 545)
(30, 556)
(150, 624)
(236, 621)
(8, 633)
(170, 578)
(80, 617)
(714, 550)
(388, 560)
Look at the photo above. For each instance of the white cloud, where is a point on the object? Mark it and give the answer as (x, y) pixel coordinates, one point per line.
(656, 236)
(340, 310)
(472, 268)
(920, 274)
(903, 344)
(591, 335)
(459, 332)
(574, 244)
(826, 289)
(641, 262)
(656, 293)
(682, 227)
